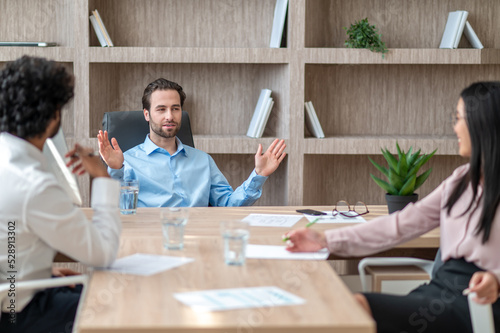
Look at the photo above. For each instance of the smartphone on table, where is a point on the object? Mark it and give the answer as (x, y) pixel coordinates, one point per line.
(310, 212)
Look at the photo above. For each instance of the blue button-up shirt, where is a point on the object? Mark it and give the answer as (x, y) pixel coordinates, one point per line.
(188, 178)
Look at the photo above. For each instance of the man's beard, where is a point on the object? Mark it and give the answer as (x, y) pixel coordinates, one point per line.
(158, 130)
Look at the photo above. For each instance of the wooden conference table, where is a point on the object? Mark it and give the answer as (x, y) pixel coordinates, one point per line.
(128, 303)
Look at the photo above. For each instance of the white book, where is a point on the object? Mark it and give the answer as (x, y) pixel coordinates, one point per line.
(319, 129)
(278, 23)
(472, 37)
(312, 121)
(98, 31)
(264, 96)
(265, 117)
(461, 27)
(54, 151)
(451, 30)
(103, 28)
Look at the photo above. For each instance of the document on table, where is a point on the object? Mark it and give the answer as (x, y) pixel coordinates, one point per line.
(238, 298)
(146, 264)
(272, 220)
(280, 252)
(339, 218)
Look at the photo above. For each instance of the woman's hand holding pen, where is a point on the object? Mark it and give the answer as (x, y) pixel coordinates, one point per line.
(305, 240)
(485, 285)
(286, 238)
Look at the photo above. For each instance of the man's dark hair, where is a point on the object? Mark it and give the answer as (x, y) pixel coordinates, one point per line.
(160, 84)
(32, 90)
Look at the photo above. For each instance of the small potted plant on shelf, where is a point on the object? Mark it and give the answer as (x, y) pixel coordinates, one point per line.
(362, 35)
(401, 174)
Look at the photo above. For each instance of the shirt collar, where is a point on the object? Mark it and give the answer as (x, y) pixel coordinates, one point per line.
(150, 147)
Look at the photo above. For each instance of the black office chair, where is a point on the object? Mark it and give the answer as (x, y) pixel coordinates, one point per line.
(130, 128)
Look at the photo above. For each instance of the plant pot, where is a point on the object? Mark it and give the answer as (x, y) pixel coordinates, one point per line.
(398, 202)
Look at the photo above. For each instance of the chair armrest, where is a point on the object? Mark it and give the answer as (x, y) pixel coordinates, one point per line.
(48, 283)
(426, 265)
(481, 316)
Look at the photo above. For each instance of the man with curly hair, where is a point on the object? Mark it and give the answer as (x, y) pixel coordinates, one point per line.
(37, 219)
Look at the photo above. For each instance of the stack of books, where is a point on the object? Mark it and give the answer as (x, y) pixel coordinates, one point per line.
(261, 114)
(100, 29)
(312, 121)
(456, 25)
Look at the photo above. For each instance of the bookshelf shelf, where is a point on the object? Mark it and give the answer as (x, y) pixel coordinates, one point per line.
(239, 144)
(402, 56)
(186, 23)
(60, 54)
(219, 52)
(38, 21)
(189, 55)
(360, 145)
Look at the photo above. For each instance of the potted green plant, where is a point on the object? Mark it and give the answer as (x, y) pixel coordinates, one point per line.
(402, 178)
(362, 35)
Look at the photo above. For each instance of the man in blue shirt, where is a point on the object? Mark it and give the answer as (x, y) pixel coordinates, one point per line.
(172, 174)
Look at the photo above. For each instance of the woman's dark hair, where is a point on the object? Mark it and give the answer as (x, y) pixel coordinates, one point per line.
(161, 84)
(32, 91)
(482, 114)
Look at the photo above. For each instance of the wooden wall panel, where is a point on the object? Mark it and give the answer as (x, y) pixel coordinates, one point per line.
(187, 23)
(390, 99)
(44, 21)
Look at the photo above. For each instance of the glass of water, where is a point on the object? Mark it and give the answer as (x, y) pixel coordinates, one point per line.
(173, 220)
(128, 196)
(235, 234)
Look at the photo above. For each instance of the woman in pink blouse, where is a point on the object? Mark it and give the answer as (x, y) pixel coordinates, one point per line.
(465, 206)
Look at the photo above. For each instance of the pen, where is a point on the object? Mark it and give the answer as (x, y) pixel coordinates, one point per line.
(90, 154)
(307, 226)
(312, 222)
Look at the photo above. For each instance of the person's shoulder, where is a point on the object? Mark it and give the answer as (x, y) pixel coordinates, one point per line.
(32, 178)
(461, 170)
(198, 156)
(457, 174)
(193, 151)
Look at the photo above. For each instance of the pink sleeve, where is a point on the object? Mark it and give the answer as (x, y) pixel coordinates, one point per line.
(388, 231)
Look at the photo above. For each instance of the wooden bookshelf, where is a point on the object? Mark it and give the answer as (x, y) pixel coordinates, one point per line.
(218, 51)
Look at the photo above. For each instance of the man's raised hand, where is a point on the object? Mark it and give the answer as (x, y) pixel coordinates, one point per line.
(112, 155)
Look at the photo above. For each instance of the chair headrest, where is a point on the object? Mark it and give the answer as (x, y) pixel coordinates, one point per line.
(130, 128)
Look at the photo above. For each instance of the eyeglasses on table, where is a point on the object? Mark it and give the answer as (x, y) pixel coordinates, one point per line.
(343, 208)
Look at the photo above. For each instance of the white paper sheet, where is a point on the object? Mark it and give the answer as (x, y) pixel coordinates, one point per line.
(329, 218)
(272, 220)
(280, 252)
(146, 264)
(238, 298)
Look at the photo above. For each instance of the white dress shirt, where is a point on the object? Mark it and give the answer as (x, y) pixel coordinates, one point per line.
(42, 219)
